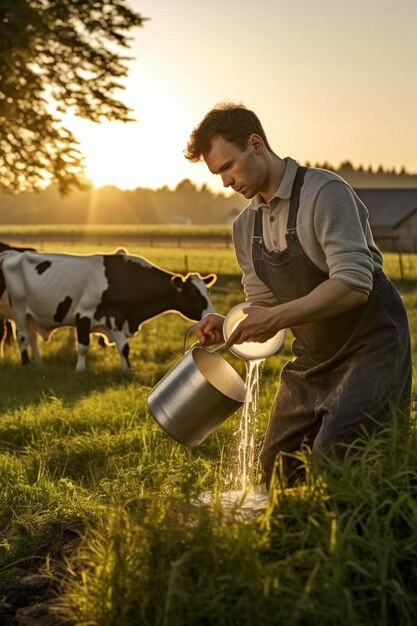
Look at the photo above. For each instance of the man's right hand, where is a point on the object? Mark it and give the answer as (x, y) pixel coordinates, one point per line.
(210, 329)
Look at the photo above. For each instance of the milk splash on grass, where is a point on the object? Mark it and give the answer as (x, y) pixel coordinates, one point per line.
(243, 497)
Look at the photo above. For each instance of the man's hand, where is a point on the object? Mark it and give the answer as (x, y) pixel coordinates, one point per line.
(210, 329)
(259, 325)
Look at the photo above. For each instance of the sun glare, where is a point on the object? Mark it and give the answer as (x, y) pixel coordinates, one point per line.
(106, 166)
(122, 155)
(145, 153)
(148, 152)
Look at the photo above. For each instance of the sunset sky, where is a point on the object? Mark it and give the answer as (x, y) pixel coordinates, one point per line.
(330, 81)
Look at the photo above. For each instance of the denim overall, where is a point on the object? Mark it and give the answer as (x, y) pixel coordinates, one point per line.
(350, 370)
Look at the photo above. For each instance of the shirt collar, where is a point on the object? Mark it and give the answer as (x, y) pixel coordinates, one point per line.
(284, 190)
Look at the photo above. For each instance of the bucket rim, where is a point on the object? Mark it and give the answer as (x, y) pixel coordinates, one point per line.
(237, 379)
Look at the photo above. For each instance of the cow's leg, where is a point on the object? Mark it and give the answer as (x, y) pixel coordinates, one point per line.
(33, 340)
(9, 331)
(120, 340)
(7, 334)
(83, 325)
(22, 334)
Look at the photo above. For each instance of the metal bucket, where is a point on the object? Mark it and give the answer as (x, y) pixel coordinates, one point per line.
(197, 395)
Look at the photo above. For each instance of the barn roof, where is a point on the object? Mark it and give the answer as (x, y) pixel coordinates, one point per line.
(388, 207)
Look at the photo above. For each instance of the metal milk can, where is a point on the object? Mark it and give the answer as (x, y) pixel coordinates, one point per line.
(202, 389)
(196, 396)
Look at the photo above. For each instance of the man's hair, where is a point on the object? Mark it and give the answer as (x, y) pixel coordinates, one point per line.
(233, 122)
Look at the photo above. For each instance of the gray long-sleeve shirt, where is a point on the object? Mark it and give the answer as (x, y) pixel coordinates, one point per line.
(332, 227)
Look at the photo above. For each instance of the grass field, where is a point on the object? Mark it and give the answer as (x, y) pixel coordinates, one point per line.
(168, 235)
(98, 499)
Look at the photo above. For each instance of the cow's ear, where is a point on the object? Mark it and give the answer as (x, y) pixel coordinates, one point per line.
(209, 280)
(178, 282)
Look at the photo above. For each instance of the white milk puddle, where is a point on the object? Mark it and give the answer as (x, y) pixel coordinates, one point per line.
(243, 505)
(242, 496)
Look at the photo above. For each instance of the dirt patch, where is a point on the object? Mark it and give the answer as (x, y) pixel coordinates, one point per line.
(27, 598)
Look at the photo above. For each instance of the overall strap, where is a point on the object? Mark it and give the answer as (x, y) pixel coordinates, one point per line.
(258, 229)
(295, 199)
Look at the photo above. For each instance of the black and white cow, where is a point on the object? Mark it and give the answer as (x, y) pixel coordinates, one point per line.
(6, 315)
(111, 294)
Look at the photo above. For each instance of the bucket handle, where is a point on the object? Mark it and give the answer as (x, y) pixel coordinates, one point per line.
(219, 348)
(187, 334)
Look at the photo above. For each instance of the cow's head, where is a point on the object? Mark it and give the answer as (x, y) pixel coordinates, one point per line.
(192, 299)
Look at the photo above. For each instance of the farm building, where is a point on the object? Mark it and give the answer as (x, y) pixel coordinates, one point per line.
(393, 217)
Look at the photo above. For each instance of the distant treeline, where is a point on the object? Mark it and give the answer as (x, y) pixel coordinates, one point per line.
(110, 205)
(186, 204)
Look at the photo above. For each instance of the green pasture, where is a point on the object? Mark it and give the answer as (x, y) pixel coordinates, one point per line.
(95, 496)
(88, 235)
(51, 231)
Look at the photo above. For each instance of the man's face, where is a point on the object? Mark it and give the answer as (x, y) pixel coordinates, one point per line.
(245, 172)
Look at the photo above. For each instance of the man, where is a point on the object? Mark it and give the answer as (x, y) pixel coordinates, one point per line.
(310, 264)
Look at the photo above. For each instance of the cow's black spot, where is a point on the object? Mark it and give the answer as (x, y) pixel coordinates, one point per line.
(62, 309)
(5, 246)
(130, 284)
(83, 325)
(25, 357)
(42, 267)
(125, 353)
(137, 291)
(134, 320)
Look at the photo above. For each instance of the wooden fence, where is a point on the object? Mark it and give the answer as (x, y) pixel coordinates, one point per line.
(194, 237)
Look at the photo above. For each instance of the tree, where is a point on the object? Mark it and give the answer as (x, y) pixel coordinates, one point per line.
(186, 186)
(57, 57)
(346, 167)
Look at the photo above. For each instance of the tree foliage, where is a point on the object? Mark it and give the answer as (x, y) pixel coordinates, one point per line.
(57, 57)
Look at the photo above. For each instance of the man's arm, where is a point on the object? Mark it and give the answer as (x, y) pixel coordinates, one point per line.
(329, 299)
